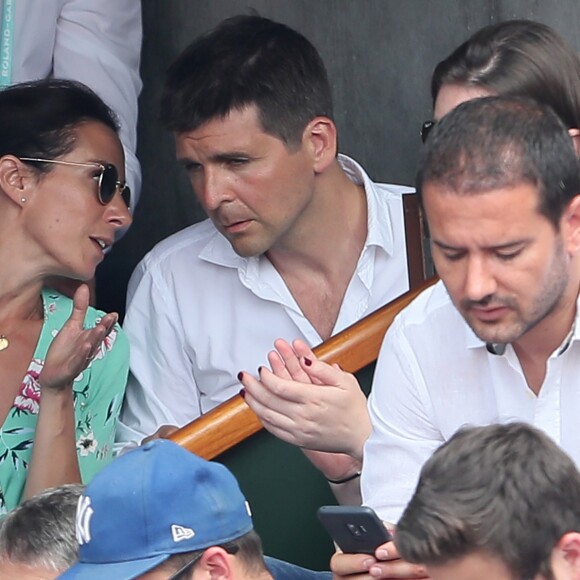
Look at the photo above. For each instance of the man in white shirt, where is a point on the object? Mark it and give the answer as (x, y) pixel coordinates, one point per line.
(498, 339)
(300, 243)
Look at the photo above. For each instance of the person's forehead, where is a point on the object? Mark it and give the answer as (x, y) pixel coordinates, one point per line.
(452, 95)
(234, 121)
(486, 219)
(456, 192)
(242, 135)
(95, 141)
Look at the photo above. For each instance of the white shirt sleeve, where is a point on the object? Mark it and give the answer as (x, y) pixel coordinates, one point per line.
(98, 42)
(161, 389)
(403, 435)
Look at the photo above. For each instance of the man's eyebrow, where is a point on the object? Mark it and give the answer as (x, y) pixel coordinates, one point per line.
(229, 156)
(443, 246)
(216, 158)
(185, 161)
(505, 246)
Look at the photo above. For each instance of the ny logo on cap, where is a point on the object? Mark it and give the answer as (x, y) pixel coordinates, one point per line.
(180, 533)
(84, 514)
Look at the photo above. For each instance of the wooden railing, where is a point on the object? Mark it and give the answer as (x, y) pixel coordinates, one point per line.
(353, 349)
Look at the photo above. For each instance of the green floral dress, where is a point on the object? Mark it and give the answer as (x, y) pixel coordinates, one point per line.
(98, 394)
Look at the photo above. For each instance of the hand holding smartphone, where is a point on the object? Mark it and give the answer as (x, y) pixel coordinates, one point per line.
(355, 529)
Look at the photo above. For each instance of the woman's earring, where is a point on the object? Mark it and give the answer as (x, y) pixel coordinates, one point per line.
(22, 200)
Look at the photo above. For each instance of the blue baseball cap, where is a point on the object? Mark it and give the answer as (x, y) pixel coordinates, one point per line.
(153, 502)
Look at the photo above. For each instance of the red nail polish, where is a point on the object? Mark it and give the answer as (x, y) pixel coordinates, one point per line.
(240, 376)
(307, 362)
(242, 393)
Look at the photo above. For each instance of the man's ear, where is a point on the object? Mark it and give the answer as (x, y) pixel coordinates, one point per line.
(320, 138)
(215, 564)
(575, 134)
(565, 558)
(570, 226)
(15, 179)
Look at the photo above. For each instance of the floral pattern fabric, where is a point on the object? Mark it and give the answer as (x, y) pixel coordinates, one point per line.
(97, 394)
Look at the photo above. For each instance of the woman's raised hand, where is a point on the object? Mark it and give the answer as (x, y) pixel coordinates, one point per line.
(74, 346)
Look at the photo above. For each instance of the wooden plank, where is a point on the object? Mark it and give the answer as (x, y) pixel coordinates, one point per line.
(353, 349)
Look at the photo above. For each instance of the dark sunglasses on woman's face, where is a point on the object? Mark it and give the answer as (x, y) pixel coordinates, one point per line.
(107, 179)
(426, 129)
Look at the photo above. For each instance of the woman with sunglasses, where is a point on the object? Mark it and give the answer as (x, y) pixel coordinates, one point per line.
(63, 364)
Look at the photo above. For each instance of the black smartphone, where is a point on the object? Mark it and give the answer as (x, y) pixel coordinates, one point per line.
(355, 529)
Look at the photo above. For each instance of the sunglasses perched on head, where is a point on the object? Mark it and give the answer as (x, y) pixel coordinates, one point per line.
(426, 128)
(107, 179)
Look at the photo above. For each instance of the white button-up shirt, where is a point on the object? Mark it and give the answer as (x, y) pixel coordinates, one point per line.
(434, 376)
(198, 313)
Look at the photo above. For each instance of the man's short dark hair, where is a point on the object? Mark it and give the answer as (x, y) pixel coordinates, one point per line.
(248, 60)
(506, 490)
(247, 548)
(41, 531)
(500, 142)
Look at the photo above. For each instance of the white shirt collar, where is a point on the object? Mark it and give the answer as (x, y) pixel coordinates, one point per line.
(377, 233)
